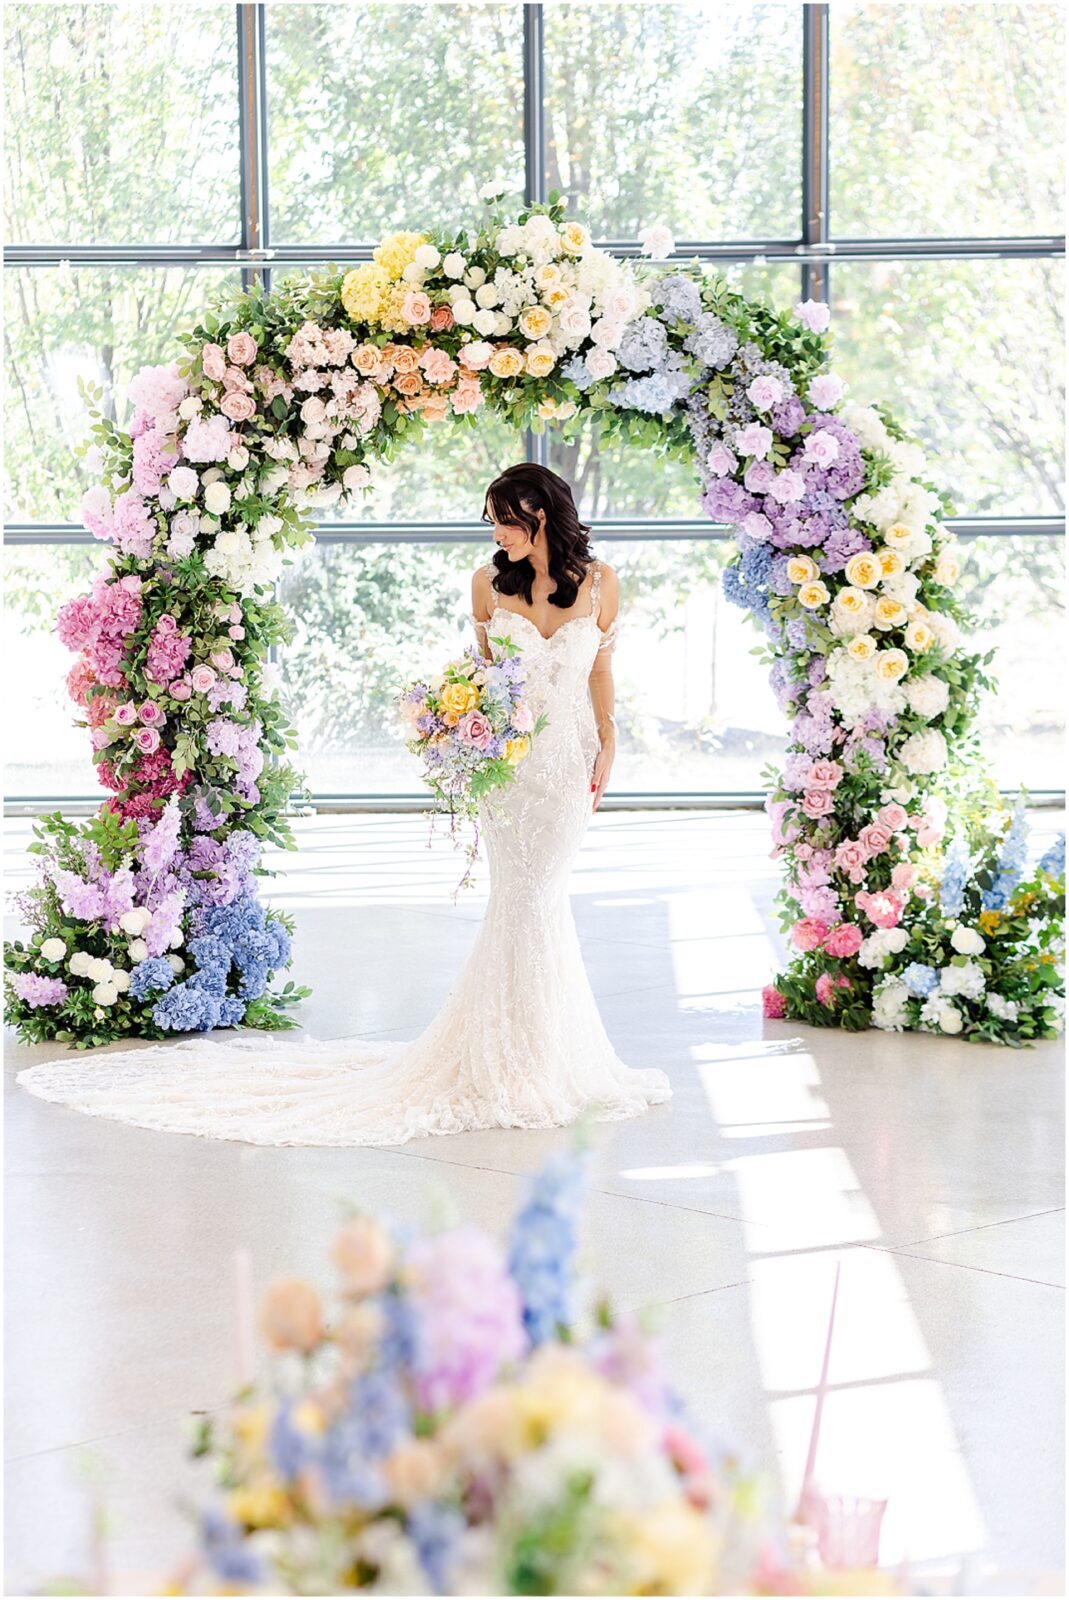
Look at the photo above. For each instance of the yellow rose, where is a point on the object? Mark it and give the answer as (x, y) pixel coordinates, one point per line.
(669, 1548)
(362, 291)
(891, 665)
(802, 569)
(574, 238)
(535, 322)
(862, 647)
(540, 360)
(455, 699)
(852, 601)
(506, 362)
(548, 275)
(947, 570)
(918, 635)
(516, 750)
(813, 595)
(397, 251)
(863, 570)
(889, 613)
(890, 561)
(899, 535)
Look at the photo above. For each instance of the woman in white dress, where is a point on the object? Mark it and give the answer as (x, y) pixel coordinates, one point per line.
(519, 1042)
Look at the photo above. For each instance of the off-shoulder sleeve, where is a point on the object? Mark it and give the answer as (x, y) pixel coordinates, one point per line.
(609, 635)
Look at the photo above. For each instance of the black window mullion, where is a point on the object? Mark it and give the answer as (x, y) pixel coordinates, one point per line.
(815, 73)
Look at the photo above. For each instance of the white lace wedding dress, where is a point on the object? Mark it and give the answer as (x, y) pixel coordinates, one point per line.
(518, 1042)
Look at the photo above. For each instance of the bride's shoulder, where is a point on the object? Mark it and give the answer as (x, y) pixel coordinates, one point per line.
(607, 580)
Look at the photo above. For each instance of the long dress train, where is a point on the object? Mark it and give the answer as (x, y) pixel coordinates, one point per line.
(518, 1043)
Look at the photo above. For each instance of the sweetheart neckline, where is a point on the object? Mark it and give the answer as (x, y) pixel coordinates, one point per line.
(546, 638)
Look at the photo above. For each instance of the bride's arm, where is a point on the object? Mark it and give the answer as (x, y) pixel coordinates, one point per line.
(602, 688)
(481, 609)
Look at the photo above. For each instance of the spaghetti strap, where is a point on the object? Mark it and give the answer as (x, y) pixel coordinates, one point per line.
(595, 590)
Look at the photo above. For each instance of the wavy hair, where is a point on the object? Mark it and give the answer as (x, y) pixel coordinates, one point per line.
(516, 497)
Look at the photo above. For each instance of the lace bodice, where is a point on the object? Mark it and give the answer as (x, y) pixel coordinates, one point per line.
(485, 627)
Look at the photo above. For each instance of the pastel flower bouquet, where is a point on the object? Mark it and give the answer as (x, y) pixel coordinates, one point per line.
(453, 1429)
(472, 726)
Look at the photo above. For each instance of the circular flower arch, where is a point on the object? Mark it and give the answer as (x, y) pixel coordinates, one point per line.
(904, 887)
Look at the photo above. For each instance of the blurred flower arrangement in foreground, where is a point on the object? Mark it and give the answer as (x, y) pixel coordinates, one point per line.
(454, 1429)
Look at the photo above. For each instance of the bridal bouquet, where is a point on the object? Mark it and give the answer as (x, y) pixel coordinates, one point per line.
(472, 727)
(451, 1429)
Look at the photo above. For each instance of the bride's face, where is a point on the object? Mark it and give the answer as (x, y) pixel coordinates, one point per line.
(515, 540)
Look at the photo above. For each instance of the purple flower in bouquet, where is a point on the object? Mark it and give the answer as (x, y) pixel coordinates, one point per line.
(469, 1314)
(788, 416)
(34, 989)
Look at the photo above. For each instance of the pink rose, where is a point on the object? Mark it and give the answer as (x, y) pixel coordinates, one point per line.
(765, 391)
(150, 714)
(773, 1003)
(851, 857)
(803, 851)
(99, 738)
(213, 361)
(438, 365)
(817, 803)
(202, 678)
(476, 355)
(166, 623)
(825, 774)
(883, 908)
(924, 891)
(721, 460)
(181, 689)
(236, 631)
(223, 659)
(875, 837)
(844, 940)
(893, 818)
(813, 314)
(241, 349)
(441, 319)
(147, 740)
(237, 405)
(809, 933)
(234, 612)
(126, 714)
(416, 307)
(523, 718)
(903, 875)
(475, 730)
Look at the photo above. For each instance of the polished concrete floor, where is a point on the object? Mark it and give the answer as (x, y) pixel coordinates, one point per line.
(930, 1169)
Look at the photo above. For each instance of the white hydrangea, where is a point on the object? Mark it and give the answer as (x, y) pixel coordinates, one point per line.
(946, 631)
(1005, 1010)
(966, 980)
(903, 586)
(867, 424)
(907, 457)
(874, 950)
(924, 752)
(856, 689)
(938, 1014)
(889, 1006)
(927, 696)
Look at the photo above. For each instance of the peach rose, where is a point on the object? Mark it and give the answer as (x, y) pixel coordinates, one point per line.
(291, 1315)
(466, 397)
(213, 361)
(438, 365)
(408, 383)
(435, 407)
(364, 1256)
(241, 348)
(414, 1471)
(442, 319)
(366, 358)
(404, 358)
(238, 406)
(416, 308)
(234, 378)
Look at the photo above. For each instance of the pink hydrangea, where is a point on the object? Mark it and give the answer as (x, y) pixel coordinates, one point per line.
(133, 526)
(158, 390)
(469, 1313)
(155, 453)
(100, 623)
(168, 652)
(207, 439)
(884, 908)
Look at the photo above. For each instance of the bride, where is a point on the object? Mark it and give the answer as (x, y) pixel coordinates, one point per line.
(518, 1042)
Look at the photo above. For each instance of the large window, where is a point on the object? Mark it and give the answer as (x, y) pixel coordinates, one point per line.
(902, 162)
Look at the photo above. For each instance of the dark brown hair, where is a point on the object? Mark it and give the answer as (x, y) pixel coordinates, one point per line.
(516, 498)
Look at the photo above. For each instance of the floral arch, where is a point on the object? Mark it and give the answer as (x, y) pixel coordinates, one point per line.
(904, 887)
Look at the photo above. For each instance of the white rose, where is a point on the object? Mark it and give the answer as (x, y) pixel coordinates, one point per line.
(895, 940)
(99, 970)
(53, 949)
(454, 264)
(176, 964)
(924, 752)
(136, 921)
(487, 295)
(464, 312)
(137, 950)
(238, 458)
(475, 276)
(217, 498)
(606, 333)
(105, 994)
(967, 942)
(189, 407)
(427, 256)
(600, 363)
(183, 482)
(950, 1019)
(79, 963)
(120, 980)
(178, 937)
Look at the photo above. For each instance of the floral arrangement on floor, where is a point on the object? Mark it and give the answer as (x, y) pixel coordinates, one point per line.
(453, 1429)
(472, 727)
(285, 402)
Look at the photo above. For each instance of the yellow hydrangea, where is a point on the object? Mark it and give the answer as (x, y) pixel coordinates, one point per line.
(397, 251)
(259, 1505)
(362, 291)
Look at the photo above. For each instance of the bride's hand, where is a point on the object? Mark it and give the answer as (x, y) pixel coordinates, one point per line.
(602, 767)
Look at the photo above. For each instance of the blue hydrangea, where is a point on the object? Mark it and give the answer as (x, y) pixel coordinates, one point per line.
(187, 1010)
(227, 1551)
(679, 298)
(1011, 859)
(152, 974)
(576, 370)
(919, 978)
(643, 346)
(291, 1448)
(542, 1246)
(745, 580)
(712, 342)
(435, 1530)
(654, 394)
